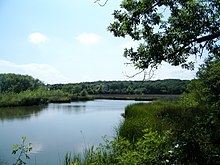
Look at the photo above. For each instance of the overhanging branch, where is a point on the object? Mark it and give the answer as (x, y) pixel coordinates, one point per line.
(100, 3)
(207, 38)
(198, 40)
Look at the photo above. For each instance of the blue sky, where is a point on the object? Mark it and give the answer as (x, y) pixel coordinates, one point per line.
(66, 41)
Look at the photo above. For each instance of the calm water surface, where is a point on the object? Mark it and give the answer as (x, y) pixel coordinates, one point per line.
(57, 129)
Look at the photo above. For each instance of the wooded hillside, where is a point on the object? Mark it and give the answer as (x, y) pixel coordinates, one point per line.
(168, 86)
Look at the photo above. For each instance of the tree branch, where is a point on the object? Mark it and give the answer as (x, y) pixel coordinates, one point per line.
(149, 73)
(100, 3)
(198, 40)
(132, 76)
(207, 38)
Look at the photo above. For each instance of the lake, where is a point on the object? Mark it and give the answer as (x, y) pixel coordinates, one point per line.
(56, 129)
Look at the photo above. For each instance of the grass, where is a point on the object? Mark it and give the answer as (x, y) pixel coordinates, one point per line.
(140, 97)
(120, 151)
(141, 116)
(26, 98)
(159, 116)
(38, 97)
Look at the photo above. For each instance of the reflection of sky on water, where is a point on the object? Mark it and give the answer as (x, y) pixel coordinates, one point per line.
(57, 129)
(36, 147)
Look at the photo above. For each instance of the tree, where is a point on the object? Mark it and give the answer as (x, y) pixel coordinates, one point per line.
(206, 88)
(168, 30)
(17, 83)
(200, 142)
(84, 92)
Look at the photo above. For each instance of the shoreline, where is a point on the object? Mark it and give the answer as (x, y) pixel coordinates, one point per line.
(149, 97)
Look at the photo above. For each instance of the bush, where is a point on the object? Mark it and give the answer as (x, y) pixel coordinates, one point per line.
(152, 148)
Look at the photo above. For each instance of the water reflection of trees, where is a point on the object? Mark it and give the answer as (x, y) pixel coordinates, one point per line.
(20, 113)
(69, 108)
(24, 113)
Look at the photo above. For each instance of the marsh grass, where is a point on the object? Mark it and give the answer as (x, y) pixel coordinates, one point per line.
(141, 116)
(159, 116)
(26, 98)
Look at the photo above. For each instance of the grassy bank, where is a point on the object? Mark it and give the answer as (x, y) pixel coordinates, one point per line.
(160, 133)
(159, 116)
(38, 97)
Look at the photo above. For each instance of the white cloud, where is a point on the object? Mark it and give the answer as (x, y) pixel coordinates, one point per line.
(130, 44)
(167, 71)
(37, 38)
(44, 72)
(88, 38)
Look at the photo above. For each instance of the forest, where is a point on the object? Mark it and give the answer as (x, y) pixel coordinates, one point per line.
(168, 86)
(23, 90)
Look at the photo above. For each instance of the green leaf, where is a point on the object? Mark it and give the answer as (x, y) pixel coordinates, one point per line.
(30, 149)
(15, 146)
(14, 152)
(24, 138)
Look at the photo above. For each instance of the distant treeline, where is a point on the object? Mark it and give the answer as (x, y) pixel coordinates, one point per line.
(168, 86)
(22, 90)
